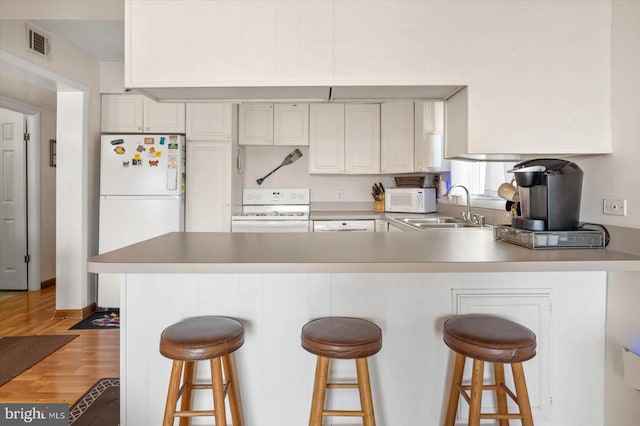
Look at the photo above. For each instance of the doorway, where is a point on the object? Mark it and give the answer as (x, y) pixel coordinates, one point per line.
(19, 197)
(14, 253)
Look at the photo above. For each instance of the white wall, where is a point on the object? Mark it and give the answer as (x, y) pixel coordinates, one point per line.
(62, 9)
(112, 77)
(618, 174)
(72, 70)
(47, 198)
(260, 160)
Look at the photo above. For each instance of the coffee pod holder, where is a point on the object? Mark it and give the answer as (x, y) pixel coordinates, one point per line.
(550, 239)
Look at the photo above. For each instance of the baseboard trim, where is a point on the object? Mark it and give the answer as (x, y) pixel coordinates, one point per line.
(48, 283)
(74, 313)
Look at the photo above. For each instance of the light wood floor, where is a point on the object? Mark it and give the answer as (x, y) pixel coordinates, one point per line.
(67, 374)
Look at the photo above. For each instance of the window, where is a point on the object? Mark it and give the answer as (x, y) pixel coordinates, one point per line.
(482, 178)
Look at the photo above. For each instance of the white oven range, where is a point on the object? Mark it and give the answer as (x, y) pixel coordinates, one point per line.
(273, 210)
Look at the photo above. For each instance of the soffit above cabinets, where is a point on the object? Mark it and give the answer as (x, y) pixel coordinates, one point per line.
(299, 93)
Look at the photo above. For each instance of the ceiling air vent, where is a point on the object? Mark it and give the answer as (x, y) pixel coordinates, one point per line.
(37, 42)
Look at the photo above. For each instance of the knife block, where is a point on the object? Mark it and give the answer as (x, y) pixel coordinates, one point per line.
(378, 205)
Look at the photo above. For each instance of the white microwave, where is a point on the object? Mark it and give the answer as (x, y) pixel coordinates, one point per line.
(410, 200)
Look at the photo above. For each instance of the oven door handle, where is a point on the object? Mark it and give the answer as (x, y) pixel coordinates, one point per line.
(269, 222)
(342, 230)
(269, 226)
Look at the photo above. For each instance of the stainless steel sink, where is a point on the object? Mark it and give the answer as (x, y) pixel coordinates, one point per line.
(436, 223)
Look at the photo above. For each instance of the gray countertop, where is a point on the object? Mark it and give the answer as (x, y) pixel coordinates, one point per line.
(456, 250)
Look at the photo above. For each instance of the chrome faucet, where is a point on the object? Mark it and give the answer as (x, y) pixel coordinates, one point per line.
(465, 216)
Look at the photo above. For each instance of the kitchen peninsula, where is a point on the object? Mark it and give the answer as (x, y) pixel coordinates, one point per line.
(408, 283)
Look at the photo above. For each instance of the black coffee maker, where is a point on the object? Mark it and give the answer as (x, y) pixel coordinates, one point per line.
(550, 191)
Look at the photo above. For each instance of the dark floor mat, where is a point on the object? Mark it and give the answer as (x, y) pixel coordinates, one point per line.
(18, 353)
(99, 406)
(99, 320)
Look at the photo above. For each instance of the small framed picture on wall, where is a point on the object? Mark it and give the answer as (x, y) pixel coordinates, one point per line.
(52, 152)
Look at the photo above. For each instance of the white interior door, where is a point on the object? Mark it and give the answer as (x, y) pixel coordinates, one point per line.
(13, 206)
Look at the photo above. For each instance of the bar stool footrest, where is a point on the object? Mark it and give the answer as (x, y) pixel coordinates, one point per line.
(342, 385)
(203, 386)
(497, 416)
(463, 388)
(343, 413)
(195, 413)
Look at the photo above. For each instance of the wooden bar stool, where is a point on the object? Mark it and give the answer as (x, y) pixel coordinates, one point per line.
(341, 338)
(196, 339)
(486, 338)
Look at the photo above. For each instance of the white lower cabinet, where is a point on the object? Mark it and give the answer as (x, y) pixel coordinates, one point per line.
(382, 225)
(209, 186)
(393, 228)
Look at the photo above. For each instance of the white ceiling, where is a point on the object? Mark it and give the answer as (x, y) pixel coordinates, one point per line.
(102, 39)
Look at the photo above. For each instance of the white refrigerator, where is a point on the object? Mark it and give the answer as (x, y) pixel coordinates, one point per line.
(141, 196)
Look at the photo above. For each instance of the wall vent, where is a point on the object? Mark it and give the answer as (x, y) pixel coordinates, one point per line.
(37, 42)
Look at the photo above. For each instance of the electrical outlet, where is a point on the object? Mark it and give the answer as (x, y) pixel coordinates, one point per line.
(615, 206)
(339, 195)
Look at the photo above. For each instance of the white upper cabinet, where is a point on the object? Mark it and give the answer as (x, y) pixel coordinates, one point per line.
(362, 139)
(122, 113)
(225, 43)
(163, 117)
(428, 138)
(291, 124)
(397, 133)
(540, 85)
(326, 138)
(210, 121)
(130, 113)
(344, 139)
(256, 124)
(274, 124)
